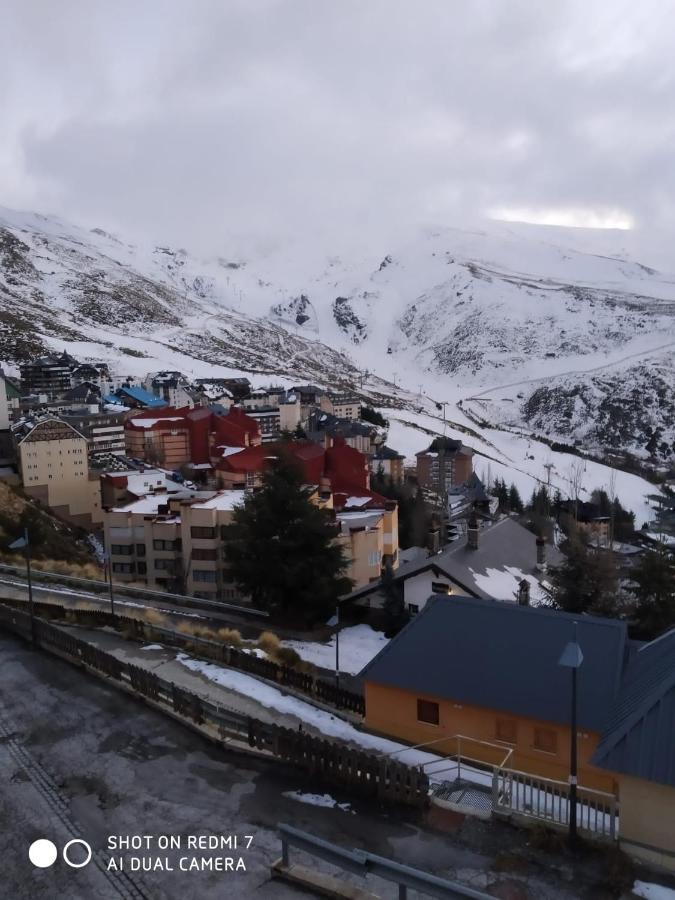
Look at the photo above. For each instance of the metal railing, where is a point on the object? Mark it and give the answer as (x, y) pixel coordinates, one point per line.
(362, 863)
(548, 800)
(122, 589)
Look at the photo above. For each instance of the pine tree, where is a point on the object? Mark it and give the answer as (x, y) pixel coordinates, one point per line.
(586, 581)
(515, 503)
(395, 614)
(654, 590)
(281, 548)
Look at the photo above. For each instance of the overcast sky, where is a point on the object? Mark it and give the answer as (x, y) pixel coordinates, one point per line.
(188, 121)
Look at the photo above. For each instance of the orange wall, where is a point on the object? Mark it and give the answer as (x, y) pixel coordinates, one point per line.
(394, 712)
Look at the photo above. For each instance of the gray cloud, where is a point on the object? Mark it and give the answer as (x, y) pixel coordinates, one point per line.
(191, 122)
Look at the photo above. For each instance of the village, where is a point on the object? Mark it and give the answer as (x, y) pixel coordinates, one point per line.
(483, 642)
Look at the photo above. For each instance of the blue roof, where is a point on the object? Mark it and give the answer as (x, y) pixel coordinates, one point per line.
(144, 397)
(639, 739)
(502, 656)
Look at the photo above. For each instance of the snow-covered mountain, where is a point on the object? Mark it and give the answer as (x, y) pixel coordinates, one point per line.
(524, 329)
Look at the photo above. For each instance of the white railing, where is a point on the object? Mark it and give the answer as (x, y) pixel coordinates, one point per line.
(548, 800)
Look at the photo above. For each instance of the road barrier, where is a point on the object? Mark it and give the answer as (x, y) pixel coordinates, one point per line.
(333, 762)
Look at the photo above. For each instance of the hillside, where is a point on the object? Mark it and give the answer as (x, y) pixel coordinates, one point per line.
(507, 327)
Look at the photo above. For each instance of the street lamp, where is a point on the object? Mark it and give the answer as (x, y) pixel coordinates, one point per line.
(23, 543)
(572, 658)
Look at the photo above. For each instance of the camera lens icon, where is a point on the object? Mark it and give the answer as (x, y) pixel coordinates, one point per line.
(42, 853)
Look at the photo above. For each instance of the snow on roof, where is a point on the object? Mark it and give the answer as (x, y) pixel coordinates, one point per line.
(349, 521)
(228, 451)
(142, 422)
(201, 466)
(357, 501)
(226, 500)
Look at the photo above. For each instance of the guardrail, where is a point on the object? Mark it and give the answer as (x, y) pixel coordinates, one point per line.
(362, 863)
(547, 800)
(333, 762)
(120, 588)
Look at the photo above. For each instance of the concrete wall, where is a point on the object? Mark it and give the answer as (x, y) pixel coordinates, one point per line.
(394, 712)
(647, 830)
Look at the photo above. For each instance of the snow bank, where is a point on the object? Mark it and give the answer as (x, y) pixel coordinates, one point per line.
(358, 645)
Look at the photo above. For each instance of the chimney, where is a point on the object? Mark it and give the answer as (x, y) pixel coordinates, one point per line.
(541, 554)
(472, 532)
(524, 593)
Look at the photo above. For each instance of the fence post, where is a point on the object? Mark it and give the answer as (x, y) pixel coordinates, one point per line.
(495, 788)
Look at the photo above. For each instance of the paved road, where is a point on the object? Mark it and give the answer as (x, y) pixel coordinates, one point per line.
(79, 758)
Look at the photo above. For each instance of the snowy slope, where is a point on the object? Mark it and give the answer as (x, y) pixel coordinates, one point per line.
(539, 331)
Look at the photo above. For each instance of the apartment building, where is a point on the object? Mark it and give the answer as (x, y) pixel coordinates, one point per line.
(343, 406)
(172, 541)
(54, 467)
(49, 375)
(104, 431)
(388, 462)
(176, 437)
(449, 465)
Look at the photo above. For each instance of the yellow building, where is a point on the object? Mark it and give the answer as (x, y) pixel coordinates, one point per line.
(54, 469)
(638, 748)
(489, 671)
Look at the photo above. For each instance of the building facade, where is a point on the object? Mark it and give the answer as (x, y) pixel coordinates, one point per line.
(54, 467)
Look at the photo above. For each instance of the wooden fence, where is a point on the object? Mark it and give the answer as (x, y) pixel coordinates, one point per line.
(139, 629)
(330, 761)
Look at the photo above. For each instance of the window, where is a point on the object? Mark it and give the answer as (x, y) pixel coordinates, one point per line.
(374, 558)
(163, 545)
(198, 531)
(140, 549)
(200, 553)
(413, 609)
(121, 549)
(439, 587)
(427, 711)
(204, 575)
(164, 564)
(125, 568)
(142, 568)
(506, 730)
(546, 740)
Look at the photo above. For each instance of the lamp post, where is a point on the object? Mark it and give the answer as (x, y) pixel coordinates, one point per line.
(23, 543)
(572, 658)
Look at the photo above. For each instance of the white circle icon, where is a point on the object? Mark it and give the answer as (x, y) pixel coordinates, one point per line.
(42, 853)
(64, 853)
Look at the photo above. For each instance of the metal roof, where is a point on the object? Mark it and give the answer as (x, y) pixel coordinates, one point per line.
(504, 657)
(504, 545)
(640, 736)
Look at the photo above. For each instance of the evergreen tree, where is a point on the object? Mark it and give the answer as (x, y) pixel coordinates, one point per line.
(281, 548)
(501, 492)
(515, 503)
(586, 581)
(654, 590)
(368, 414)
(299, 433)
(395, 613)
